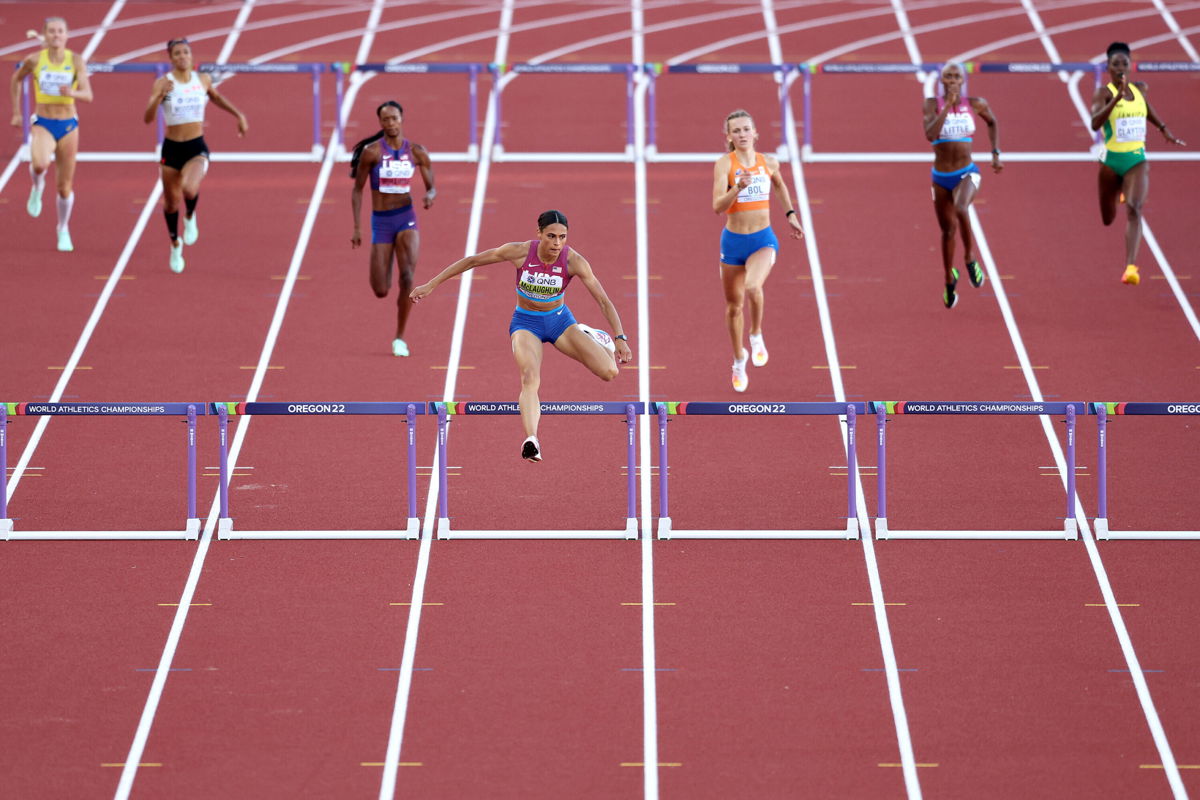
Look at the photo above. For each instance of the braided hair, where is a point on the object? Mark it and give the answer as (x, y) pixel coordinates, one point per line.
(362, 145)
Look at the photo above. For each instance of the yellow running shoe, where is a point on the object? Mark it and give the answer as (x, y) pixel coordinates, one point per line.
(1131, 275)
(758, 351)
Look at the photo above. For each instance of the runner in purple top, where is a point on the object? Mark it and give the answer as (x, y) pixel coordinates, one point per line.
(391, 161)
(544, 267)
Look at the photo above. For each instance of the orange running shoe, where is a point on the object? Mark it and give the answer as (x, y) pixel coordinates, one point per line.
(1131, 275)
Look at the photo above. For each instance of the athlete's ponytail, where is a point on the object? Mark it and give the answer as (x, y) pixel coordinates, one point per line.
(357, 150)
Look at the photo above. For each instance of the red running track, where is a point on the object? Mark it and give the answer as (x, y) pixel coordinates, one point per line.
(527, 668)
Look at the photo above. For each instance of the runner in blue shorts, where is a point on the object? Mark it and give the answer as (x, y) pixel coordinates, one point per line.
(949, 125)
(390, 162)
(544, 267)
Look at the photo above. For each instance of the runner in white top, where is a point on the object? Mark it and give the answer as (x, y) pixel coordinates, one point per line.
(182, 94)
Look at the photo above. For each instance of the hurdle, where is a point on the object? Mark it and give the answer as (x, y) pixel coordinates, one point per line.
(341, 70)
(499, 154)
(445, 410)
(191, 529)
(219, 72)
(882, 409)
(225, 528)
(1102, 410)
(665, 410)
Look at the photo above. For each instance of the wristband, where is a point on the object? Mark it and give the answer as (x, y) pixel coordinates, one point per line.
(622, 337)
(995, 152)
(790, 212)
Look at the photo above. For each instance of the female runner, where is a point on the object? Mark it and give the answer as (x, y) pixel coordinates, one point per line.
(544, 267)
(742, 182)
(60, 78)
(390, 161)
(182, 94)
(1121, 109)
(949, 126)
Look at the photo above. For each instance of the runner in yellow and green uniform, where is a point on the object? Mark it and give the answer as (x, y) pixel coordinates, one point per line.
(1121, 110)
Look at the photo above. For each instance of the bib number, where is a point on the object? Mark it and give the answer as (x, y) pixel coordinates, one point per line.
(1131, 129)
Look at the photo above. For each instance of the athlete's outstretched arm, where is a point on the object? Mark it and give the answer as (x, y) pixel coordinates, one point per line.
(512, 252)
(581, 269)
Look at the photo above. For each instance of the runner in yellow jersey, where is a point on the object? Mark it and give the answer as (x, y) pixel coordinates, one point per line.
(59, 79)
(1121, 110)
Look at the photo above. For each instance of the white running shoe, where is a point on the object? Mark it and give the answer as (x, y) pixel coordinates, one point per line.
(531, 450)
(758, 350)
(64, 241)
(177, 257)
(602, 337)
(740, 380)
(34, 206)
(399, 348)
(191, 231)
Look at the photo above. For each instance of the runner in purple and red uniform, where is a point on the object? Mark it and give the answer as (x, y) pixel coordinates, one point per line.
(390, 161)
(545, 266)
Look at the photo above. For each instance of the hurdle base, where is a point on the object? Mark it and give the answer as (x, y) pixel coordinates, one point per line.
(6, 527)
(1069, 532)
(1100, 526)
(444, 531)
(666, 531)
(225, 530)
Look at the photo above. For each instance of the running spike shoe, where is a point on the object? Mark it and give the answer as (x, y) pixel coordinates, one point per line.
(1131, 275)
(176, 262)
(34, 206)
(64, 241)
(531, 450)
(975, 274)
(740, 380)
(758, 350)
(191, 231)
(399, 348)
(949, 295)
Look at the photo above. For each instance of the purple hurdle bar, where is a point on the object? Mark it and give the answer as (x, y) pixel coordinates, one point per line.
(1102, 410)
(882, 409)
(664, 411)
(225, 529)
(191, 529)
(445, 410)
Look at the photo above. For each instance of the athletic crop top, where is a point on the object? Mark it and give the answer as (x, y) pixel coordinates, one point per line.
(757, 193)
(393, 173)
(543, 283)
(185, 102)
(958, 125)
(50, 79)
(1125, 128)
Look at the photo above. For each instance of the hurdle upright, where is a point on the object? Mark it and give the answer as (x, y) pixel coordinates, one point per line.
(850, 412)
(629, 410)
(225, 529)
(1102, 410)
(1070, 528)
(191, 529)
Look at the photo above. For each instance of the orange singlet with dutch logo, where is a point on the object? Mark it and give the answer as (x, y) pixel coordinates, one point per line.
(757, 194)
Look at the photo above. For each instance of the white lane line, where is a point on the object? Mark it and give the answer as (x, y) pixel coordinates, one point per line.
(650, 768)
(162, 671)
(391, 761)
(908, 761)
(1169, 18)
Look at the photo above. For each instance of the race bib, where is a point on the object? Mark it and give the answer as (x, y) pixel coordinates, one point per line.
(539, 284)
(52, 83)
(395, 175)
(1131, 129)
(758, 190)
(958, 126)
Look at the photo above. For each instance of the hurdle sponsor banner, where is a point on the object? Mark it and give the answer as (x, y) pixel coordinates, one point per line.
(417, 68)
(754, 409)
(156, 67)
(1167, 66)
(569, 69)
(866, 68)
(1019, 67)
(106, 409)
(725, 69)
(1138, 409)
(460, 407)
(973, 407)
(324, 408)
